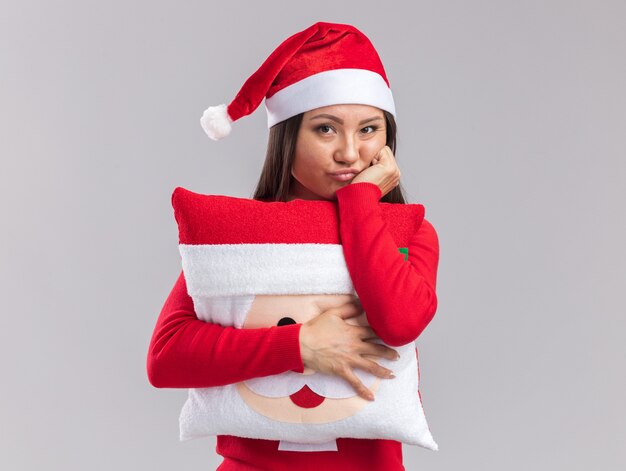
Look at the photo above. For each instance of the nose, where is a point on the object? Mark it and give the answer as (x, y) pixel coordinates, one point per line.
(347, 150)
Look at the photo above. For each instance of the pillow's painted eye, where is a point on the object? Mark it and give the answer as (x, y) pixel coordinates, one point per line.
(285, 321)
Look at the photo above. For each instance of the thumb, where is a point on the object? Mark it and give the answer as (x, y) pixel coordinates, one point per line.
(348, 310)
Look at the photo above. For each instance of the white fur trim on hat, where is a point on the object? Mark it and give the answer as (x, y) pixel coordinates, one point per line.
(332, 87)
(216, 122)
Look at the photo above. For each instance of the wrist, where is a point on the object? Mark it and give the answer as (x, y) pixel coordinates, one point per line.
(364, 187)
(306, 352)
(360, 196)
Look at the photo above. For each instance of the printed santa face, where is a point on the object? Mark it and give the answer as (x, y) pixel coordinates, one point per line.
(250, 264)
(308, 397)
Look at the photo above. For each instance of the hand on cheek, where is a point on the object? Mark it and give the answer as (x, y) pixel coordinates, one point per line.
(383, 171)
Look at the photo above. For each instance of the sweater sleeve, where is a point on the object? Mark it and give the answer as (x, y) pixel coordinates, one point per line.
(186, 352)
(398, 298)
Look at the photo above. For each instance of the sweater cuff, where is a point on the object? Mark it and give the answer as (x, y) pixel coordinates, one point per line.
(289, 347)
(360, 195)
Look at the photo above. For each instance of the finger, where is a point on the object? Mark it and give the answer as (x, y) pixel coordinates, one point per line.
(365, 332)
(379, 155)
(384, 154)
(358, 321)
(356, 301)
(381, 351)
(357, 385)
(375, 369)
(348, 310)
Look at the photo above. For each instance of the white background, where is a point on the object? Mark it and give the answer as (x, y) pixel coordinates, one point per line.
(511, 120)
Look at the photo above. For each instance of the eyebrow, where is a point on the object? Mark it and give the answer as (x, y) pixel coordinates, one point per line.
(340, 121)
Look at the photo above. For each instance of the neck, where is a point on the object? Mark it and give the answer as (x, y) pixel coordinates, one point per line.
(299, 191)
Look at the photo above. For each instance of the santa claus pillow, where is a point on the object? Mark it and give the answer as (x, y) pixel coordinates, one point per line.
(251, 264)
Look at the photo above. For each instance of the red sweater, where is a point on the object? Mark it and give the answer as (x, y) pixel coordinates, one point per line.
(399, 300)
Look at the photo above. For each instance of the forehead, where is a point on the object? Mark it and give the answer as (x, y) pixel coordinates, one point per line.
(346, 111)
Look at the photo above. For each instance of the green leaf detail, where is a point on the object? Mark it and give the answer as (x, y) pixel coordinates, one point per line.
(405, 251)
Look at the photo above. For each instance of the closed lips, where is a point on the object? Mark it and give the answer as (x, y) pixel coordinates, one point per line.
(343, 176)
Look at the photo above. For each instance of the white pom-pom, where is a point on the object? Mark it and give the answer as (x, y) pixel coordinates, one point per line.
(216, 122)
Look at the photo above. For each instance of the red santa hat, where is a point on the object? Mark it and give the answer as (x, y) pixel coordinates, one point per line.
(326, 64)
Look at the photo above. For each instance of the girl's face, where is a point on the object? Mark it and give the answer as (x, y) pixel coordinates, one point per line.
(333, 139)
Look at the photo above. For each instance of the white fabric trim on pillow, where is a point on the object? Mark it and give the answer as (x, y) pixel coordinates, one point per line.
(242, 269)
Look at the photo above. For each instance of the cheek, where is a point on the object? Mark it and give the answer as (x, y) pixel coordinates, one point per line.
(309, 155)
(311, 151)
(309, 168)
(299, 163)
(373, 146)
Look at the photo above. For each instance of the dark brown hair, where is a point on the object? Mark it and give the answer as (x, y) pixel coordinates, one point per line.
(275, 180)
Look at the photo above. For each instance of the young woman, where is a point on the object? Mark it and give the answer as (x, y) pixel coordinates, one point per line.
(332, 137)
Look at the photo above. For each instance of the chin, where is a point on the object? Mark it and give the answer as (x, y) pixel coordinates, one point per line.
(327, 195)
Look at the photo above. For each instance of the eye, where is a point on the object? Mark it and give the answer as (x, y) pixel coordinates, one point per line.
(285, 321)
(373, 129)
(324, 128)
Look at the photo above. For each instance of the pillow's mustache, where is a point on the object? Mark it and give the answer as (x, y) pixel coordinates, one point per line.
(288, 383)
